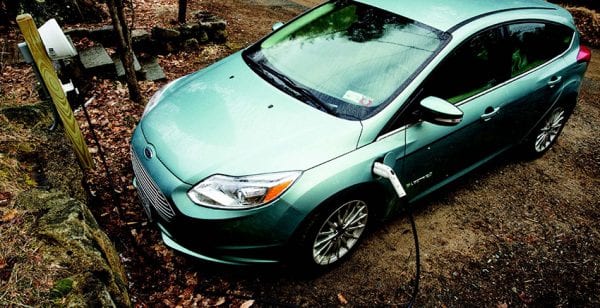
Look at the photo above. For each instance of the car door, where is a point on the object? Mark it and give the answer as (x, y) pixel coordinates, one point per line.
(468, 78)
(536, 72)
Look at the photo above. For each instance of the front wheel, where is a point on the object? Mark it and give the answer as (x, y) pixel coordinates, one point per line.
(333, 233)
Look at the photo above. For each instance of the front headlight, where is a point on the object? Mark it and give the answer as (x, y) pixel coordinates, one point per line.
(156, 97)
(227, 192)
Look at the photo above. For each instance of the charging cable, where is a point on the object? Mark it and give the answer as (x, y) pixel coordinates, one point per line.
(388, 173)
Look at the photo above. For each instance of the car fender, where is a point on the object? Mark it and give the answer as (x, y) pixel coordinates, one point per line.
(347, 173)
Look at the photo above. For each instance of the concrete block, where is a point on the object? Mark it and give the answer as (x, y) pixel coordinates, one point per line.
(153, 70)
(96, 61)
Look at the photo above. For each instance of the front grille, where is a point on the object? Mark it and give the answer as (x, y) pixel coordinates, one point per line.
(148, 190)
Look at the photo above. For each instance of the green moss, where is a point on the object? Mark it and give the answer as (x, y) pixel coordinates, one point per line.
(62, 287)
(29, 181)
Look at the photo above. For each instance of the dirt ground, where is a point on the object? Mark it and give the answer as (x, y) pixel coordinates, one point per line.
(513, 233)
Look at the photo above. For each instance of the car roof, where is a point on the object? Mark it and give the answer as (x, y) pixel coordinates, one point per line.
(446, 14)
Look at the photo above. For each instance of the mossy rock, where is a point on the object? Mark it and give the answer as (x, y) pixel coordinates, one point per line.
(25, 114)
(69, 237)
(59, 164)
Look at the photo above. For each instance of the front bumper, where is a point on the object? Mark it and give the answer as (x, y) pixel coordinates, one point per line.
(257, 235)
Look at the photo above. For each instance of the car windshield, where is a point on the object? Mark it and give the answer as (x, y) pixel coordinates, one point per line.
(345, 58)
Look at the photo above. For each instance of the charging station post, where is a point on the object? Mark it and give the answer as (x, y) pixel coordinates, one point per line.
(55, 88)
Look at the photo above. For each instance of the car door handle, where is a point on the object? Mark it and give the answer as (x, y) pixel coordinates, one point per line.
(490, 112)
(554, 81)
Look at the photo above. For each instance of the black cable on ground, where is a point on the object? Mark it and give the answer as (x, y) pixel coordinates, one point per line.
(102, 157)
(417, 261)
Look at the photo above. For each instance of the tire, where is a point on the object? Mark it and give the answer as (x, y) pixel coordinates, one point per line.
(333, 233)
(543, 137)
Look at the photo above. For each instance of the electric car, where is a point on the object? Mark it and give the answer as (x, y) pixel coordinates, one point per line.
(294, 146)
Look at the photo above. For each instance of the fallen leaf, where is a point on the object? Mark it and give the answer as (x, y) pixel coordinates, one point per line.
(247, 304)
(9, 215)
(502, 305)
(220, 301)
(342, 299)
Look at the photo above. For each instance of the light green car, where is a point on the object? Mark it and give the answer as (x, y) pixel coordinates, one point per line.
(270, 153)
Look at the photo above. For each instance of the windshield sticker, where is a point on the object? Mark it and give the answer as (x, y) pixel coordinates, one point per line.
(358, 98)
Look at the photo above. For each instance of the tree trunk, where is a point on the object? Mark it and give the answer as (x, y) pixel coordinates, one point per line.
(117, 14)
(182, 11)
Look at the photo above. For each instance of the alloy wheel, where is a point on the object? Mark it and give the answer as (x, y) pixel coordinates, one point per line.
(340, 232)
(548, 133)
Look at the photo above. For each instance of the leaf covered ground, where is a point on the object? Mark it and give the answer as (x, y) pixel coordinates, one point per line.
(514, 233)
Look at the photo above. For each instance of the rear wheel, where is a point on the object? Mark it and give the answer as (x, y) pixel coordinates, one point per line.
(546, 133)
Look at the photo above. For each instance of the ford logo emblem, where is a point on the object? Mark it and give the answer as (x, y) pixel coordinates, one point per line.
(148, 152)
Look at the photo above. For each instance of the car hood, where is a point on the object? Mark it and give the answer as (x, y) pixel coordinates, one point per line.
(228, 120)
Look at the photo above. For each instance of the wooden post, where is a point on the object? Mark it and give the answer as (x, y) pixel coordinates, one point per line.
(54, 86)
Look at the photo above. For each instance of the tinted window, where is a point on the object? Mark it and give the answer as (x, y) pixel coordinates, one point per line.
(472, 68)
(533, 44)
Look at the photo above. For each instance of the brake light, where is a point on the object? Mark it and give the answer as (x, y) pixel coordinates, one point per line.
(584, 55)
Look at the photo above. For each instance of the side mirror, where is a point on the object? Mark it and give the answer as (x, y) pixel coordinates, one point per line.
(438, 111)
(276, 25)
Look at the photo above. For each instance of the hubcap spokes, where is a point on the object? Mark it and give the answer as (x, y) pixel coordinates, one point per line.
(340, 232)
(550, 130)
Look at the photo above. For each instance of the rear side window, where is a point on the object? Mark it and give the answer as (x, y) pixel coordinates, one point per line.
(533, 44)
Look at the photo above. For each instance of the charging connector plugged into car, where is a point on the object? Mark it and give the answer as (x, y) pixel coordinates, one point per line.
(388, 173)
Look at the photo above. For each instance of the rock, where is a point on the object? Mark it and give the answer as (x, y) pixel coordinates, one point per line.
(202, 36)
(160, 33)
(209, 21)
(77, 32)
(104, 35)
(188, 30)
(140, 39)
(153, 70)
(25, 114)
(68, 236)
(204, 16)
(97, 61)
(191, 44)
(140, 35)
(213, 27)
(119, 65)
(219, 36)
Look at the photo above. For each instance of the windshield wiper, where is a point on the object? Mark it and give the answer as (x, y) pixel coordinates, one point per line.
(306, 95)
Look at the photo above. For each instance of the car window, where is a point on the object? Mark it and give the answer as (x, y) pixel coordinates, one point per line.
(353, 57)
(533, 44)
(475, 66)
